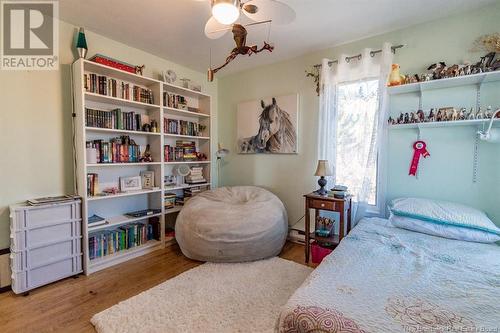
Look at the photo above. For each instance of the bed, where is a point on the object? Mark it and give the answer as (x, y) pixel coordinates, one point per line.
(386, 279)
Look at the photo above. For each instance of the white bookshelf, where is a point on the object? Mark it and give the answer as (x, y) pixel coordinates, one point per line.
(114, 206)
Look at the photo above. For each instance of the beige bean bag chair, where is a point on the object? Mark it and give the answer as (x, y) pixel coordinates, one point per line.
(232, 224)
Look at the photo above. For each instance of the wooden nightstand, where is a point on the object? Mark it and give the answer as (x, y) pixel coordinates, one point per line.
(317, 202)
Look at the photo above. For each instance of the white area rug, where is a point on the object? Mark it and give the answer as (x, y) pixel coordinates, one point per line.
(242, 297)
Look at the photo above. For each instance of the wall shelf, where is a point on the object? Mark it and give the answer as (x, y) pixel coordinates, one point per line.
(458, 81)
(120, 195)
(186, 136)
(186, 162)
(475, 122)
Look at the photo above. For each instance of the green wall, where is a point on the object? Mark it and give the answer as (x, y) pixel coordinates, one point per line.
(447, 174)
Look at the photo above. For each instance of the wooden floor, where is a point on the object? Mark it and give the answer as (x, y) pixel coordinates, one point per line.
(68, 305)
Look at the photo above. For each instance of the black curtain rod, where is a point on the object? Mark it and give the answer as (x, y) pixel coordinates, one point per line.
(358, 56)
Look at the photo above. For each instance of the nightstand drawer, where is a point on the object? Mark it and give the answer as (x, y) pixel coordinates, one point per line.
(322, 204)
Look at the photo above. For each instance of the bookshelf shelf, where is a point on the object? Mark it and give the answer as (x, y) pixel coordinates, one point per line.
(107, 79)
(117, 131)
(120, 195)
(187, 162)
(186, 136)
(99, 165)
(94, 67)
(173, 210)
(180, 112)
(116, 101)
(183, 91)
(181, 187)
(116, 221)
(124, 255)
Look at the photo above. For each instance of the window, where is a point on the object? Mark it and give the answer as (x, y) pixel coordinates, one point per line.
(356, 160)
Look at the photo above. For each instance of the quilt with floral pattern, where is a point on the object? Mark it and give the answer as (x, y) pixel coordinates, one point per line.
(385, 279)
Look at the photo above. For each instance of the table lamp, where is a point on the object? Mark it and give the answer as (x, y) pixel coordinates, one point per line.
(322, 170)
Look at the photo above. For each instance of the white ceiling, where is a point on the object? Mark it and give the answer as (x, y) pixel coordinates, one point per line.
(173, 29)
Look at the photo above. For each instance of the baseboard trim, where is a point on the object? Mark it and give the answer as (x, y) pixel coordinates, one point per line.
(5, 289)
(4, 251)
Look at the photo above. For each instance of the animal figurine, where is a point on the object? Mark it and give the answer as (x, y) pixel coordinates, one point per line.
(432, 116)
(471, 115)
(461, 114)
(437, 70)
(139, 69)
(391, 121)
(488, 113)
(420, 116)
(413, 118)
(401, 118)
(454, 115)
(395, 78)
(439, 116)
(479, 114)
(407, 118)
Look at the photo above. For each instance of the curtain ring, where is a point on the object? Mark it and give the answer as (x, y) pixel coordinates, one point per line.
(372, 54)
(347, 59)
(359, 56)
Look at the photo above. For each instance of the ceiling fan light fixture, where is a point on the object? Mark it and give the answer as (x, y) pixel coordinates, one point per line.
(226, 11)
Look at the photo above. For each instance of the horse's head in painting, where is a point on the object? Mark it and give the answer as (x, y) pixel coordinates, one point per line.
(270, 123)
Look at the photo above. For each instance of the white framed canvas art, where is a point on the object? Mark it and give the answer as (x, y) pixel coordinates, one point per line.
(268, 126)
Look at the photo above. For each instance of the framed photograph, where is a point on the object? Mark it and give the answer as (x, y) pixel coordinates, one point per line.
(129, 184)
(268, 126)
(147, 179)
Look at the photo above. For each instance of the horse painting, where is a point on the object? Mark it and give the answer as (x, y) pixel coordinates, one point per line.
(276, 133)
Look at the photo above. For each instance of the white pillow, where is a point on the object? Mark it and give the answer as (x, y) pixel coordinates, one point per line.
(445, 219)
(443, 230)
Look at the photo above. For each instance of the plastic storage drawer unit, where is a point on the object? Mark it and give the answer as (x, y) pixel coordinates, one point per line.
(46, 244)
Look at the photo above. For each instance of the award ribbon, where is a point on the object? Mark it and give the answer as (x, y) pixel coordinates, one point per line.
(420, 149)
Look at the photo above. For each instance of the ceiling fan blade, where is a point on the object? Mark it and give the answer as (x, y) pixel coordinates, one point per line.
(214, 29)
(274, 10)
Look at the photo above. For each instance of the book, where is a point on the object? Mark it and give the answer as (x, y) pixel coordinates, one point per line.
(96, 220)
(102, 85)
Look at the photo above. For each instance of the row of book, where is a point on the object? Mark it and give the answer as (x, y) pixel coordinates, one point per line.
(174, 101)
(118, 119)
(92, 184)
(195, 176)
(182, 127)
(125, 237)
(118, 150)
(101, 84)
(183, 151)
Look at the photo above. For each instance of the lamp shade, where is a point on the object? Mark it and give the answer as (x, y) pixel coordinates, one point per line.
(323, 169)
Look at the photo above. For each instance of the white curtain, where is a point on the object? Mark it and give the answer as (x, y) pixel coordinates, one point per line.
(352, 132)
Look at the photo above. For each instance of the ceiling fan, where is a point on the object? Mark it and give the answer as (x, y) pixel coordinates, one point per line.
(225, 14)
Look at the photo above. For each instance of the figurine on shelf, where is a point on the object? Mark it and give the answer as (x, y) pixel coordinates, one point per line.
(139, 69)
(432, 116)
(454, 115)
(201, 156)
(461, 114)
(154, 126)
(479, 114)
(488, 113)
(407, 118)
(395, 78)
(471, 115)
(391, 121)
(437, 70)
(401, 118)
(146, 156)
(413, 118)
(420, 116)
(439, 116)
